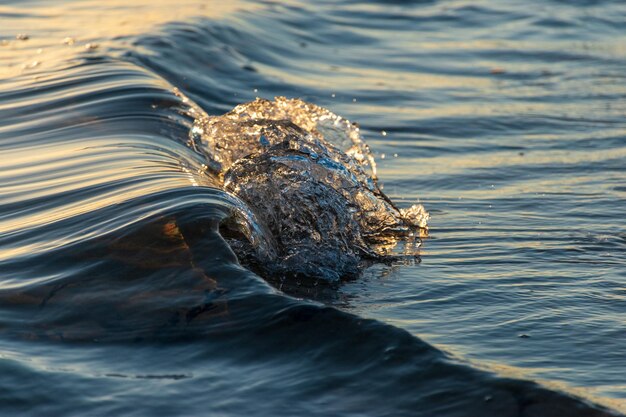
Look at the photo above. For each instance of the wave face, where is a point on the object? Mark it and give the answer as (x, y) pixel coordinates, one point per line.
(146, 267)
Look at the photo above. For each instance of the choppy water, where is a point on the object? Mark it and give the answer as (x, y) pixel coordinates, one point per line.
(505, 119)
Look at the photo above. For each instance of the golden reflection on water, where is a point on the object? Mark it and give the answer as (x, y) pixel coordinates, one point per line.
(535, 374)
(33, 44)
(69, 167)
(87, 31)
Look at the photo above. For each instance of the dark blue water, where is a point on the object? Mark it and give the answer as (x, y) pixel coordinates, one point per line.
(507, 120)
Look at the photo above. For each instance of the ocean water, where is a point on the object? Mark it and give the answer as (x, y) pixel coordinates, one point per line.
(506, 120)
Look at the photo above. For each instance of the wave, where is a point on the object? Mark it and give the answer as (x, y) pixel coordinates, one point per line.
(114, 252)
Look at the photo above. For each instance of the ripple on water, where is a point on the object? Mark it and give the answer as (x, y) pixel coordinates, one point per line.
(507, 120)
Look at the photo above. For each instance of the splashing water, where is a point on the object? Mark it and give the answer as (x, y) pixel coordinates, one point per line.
(311, 181)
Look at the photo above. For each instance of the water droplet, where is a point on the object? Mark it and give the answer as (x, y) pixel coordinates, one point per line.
(382, 156)
(354, 100)
(256, 90)
(91, 46)
(22, 37)
(524, 336)
(31, 65)
(333, 95)
(382, 132)
(68, 41)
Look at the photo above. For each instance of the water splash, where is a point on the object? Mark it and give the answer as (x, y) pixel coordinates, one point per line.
(311, 181)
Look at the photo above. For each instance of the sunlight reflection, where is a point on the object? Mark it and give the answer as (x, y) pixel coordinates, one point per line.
(116, 20)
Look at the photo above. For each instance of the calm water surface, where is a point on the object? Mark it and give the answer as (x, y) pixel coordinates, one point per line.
(507, 120)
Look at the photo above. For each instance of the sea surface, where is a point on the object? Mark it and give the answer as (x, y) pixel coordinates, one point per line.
(506, 120)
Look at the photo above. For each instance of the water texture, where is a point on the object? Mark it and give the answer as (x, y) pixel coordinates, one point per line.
(121, 291)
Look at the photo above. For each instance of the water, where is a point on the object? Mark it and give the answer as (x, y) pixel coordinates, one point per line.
(505, 120)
